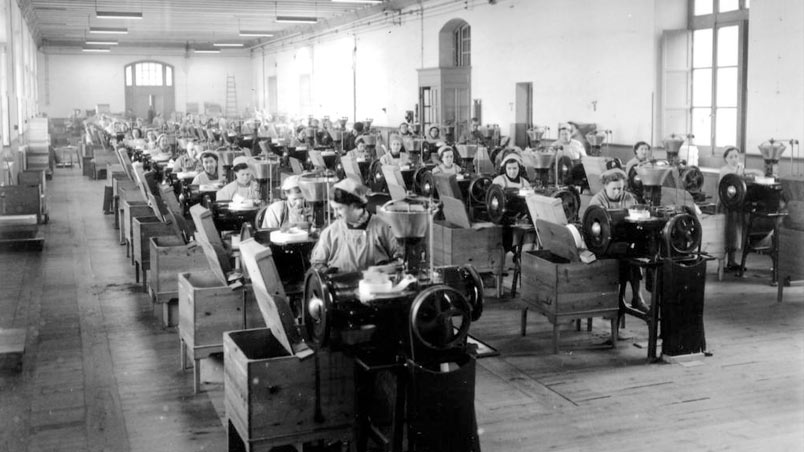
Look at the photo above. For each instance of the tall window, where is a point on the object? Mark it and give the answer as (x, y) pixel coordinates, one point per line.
(719, 29)
(462, 45)
(149, 73)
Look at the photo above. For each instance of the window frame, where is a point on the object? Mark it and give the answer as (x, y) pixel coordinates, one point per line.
(165, 73)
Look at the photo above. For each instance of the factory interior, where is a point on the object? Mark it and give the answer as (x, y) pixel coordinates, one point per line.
(401, 225)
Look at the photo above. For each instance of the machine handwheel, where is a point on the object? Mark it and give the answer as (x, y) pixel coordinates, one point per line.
(571, 202)
(692, 179)
(635, 182)
(376, 178)
(564, 169)
(475, 289)
(682, 233)
(496, 204)
(478, 189)
(424, 182)
(597, 229)
(433, 317)
(316, 306)
(732, 190)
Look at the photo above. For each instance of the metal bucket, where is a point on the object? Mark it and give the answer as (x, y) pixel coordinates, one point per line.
(672, 145)
(262, 168)
(407, 219)
(771, 150)
(314, 187)
(653, 175)
(226, 157)
(535, 134)
(540, 160)
(596, 138)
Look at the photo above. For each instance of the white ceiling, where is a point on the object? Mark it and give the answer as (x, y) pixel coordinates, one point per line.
(181, 23)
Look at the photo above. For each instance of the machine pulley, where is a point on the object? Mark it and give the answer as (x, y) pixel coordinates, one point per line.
(440, 317)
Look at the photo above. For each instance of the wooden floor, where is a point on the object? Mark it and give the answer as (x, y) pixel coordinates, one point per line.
(99, 373)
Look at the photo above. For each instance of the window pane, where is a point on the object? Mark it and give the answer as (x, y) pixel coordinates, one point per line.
(726, 87)
(727, 46)
(703, 7)
(129, 78)
(702, 48)
(702, 126)
(701, 87)
(747, 4)
(168, 76)
(728, 5)
(726, 127)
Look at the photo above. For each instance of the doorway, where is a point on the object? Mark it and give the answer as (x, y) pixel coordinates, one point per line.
(149, 84)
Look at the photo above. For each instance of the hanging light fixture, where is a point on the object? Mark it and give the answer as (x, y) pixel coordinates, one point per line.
(108, 30)
(118, 15)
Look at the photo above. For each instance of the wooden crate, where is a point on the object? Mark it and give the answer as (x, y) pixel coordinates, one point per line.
(142, 229)
(206, 310)
(563, 290)
(271, 396)
(483, 248)
(170, 256)
(132, 209)
(713, 239)
(791, 257)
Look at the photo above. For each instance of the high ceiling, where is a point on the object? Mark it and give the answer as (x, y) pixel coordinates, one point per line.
(181, 23)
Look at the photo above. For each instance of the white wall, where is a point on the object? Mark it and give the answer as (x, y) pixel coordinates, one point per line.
(775, 97)
(85, 80)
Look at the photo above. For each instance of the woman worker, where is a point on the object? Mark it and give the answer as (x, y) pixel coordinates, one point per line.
(642, 154)
(395, 156)
(289, 212)
(187, 161)
(243, 187)
(569, 146)
(614, 196)
(512, 171)
(357, 239)
(209, 163)
(734, 218)
(446, 165)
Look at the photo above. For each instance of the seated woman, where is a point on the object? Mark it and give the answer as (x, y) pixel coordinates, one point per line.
(614, 196)
(512, 171)
(569, 146)
(734, 218)
(289, 212)
(395, 156)
(642, 154)
(243, 187)
(209, 163)
(187, 161)
(446, 165)
(360, 153)
(357, 239)
(404, 130)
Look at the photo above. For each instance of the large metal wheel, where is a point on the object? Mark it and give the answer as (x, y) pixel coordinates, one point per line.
(496, 204)
(424, 183)
(474, 286)
(598, 228)
(732, 190)
(692, 179)
(571, 202)
(564, 170)
(478, 189)
(440, 317)
(682, 234)
(316, 309)
(376, 178)
(635, 183)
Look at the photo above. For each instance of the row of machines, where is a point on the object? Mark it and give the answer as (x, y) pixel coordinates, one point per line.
(23, 210)
(381, 356)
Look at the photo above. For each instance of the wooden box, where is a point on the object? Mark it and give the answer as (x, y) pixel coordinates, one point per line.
(170, 256)
(130, 210)
(713, 239)
(206, 310)
(273, 398)
(143, 228)
(791, 257)
(562, 290)
(483, 248)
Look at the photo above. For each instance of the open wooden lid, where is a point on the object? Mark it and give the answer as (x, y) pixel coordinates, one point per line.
(207, 236)
(558, 239)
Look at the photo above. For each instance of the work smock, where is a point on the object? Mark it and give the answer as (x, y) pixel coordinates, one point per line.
(574, 149)
(204, 178)
(601, 199)
(280, 214)
(400, 160)
(353, 249)
(250, 191)
(441, 169)
(503, 181)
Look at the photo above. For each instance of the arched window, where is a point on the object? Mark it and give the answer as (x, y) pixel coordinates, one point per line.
(462, 45)
(149, 73)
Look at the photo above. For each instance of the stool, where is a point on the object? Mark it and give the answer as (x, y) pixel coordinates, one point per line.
(754, 216)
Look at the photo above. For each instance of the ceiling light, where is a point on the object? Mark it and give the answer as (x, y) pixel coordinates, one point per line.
(96, 49)
(117, 15)
(109, 30)
(374, 2)
(207, 50)
(256, 33)
(100, 43)
(296, 20)
(228, 44)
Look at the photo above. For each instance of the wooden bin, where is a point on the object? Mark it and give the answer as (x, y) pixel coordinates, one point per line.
(143, 228)
(207, 309)
(563, 290)
(270, 395)
(170, 256)
(482, 248)
(131, 209)
(713, 239)
(791, 258)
